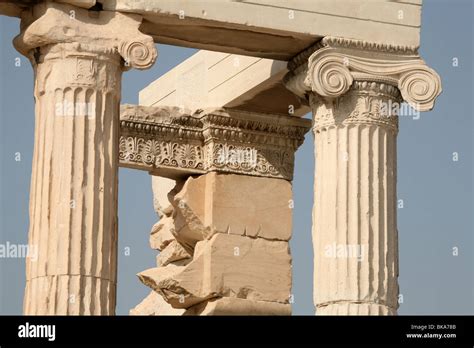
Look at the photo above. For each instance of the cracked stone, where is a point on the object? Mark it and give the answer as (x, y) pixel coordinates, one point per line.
(226, 266)
(233, 204)
(162, 233)
(154, 304)
(173, 252)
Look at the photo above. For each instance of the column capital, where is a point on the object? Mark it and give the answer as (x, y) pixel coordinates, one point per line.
(330, 67)
(100, 32)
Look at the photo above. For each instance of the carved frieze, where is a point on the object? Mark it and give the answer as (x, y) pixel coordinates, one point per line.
(365, 103)
(171, 142)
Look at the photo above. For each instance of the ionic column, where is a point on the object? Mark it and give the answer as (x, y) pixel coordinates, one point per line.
(355, 89)
(78, 64)
(355, 230)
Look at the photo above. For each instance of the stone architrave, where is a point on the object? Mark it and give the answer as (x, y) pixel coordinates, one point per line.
(355, 89)
(174, 143)
(78, 57)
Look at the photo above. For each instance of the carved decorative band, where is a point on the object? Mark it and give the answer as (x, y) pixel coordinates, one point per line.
(76, 50)
(148, 154)
(378, 89)
(366, 103)
(172, 143)
(368, 46)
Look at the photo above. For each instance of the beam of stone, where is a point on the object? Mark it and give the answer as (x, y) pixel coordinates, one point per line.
(73, 198)
(87, 4)
(355, 89)
(167, 140)
(170, 142)
(14, 8)
(215, 79)
(277, 29)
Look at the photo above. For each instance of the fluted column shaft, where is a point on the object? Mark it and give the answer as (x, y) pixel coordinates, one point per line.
(355, 89)
(354, 227)
(78, 57)
(73, 209)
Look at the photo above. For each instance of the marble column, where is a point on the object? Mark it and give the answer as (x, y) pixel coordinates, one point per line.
(78, 65)
(355, 229)
(355, 89)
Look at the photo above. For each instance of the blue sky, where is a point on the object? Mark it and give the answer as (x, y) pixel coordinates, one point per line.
(437, 192)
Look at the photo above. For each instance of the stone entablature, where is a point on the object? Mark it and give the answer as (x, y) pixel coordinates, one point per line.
(276, 29)
(170, 142)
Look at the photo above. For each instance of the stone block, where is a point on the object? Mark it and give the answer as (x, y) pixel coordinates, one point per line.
(172, 253)
(236, 306)
(162, 233)
(161, 194)
(226, 266)
(233, 204)
(154, 304)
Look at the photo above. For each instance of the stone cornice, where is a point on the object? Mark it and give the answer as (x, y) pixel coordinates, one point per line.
(171, 142)
(336, 62)
(101, 32)
(331, 41)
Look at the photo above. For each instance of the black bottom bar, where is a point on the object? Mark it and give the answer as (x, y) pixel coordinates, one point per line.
(292, 331)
